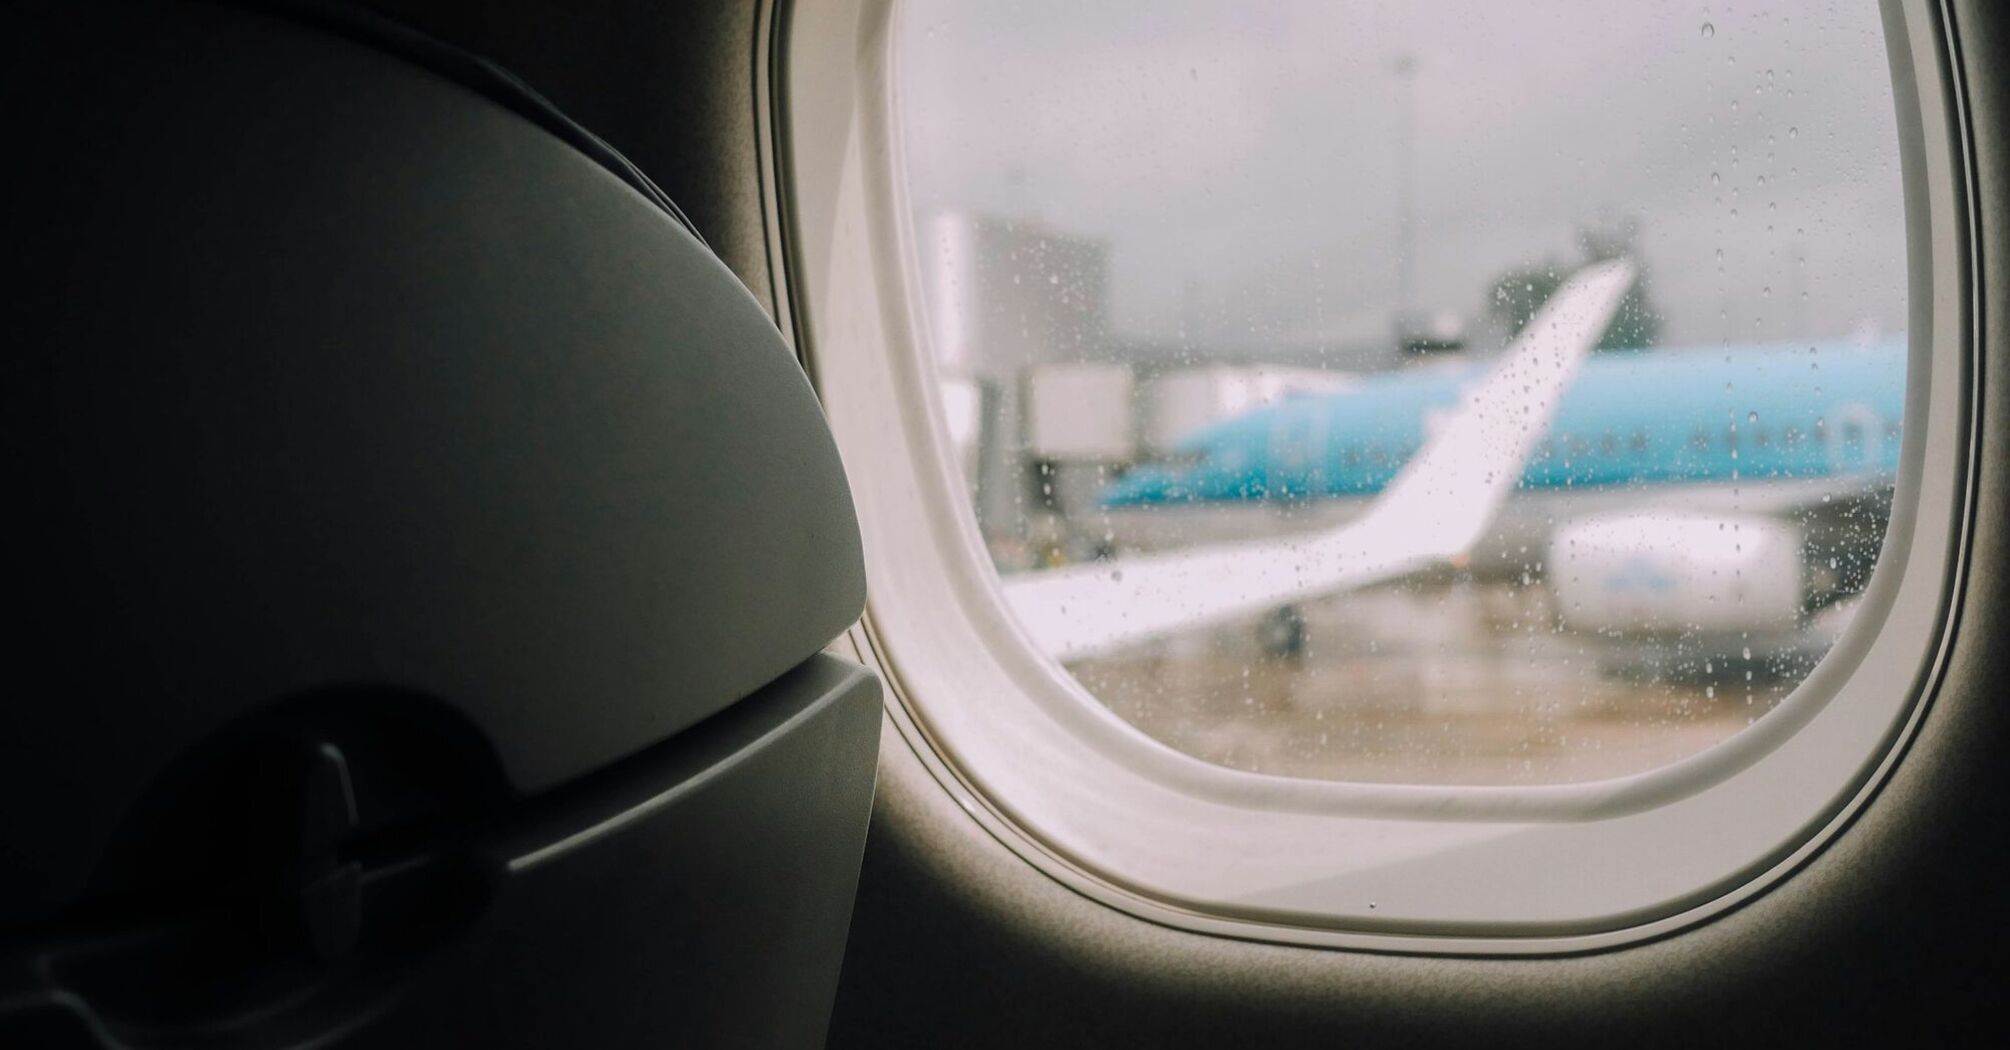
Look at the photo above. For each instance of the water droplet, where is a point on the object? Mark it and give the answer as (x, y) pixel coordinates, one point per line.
(1708, 31)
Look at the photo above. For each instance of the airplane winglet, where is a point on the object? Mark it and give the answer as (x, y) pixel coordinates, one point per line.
(1448, 493)
(1435, 509)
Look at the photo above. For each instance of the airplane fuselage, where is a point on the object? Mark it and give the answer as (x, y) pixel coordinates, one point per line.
(1631, 419)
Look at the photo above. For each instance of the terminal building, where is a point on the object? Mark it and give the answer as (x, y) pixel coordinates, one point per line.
(1045, 402)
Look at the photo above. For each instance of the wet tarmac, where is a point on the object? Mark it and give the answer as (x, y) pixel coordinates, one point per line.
(1439, 682)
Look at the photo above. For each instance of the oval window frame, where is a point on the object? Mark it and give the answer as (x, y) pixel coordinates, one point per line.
(1068, 786)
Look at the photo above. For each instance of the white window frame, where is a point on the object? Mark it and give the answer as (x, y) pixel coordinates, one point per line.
(1074, 790)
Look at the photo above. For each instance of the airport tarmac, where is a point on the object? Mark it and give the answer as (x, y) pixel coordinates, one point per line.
(1438, 682)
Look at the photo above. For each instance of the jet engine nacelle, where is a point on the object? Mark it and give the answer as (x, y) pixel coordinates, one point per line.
(1670, 571)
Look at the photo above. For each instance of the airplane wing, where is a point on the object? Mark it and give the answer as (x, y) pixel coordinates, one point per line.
(1434, 510)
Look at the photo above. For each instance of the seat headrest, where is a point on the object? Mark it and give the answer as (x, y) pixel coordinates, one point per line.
(333, 373)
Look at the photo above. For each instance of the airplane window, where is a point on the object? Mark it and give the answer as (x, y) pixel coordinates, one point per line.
(1294, 327)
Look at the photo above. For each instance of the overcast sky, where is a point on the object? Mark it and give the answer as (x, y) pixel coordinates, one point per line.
(1240, 158)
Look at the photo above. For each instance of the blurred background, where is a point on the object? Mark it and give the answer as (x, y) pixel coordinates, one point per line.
(1198, 273)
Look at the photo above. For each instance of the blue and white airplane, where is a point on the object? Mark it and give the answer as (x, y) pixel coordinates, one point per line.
(1747, 415)
(1662, 490)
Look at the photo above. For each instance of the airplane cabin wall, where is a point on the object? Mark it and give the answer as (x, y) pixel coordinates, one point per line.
(1892, 935)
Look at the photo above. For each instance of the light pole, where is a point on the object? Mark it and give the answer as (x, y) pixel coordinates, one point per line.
(1405, 68)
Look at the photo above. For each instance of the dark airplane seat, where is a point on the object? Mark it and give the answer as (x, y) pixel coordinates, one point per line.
(427, 548)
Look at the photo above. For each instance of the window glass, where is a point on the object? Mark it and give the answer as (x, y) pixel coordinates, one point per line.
(1207, 284)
